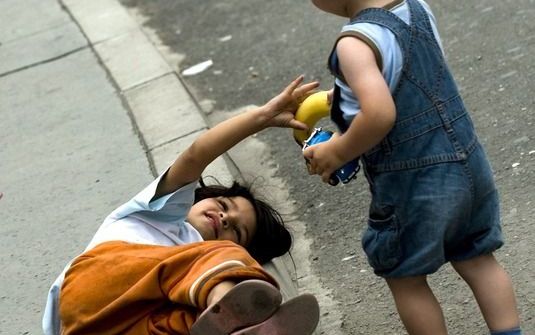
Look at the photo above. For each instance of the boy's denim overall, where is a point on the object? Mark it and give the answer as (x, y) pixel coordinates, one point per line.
(433, 194)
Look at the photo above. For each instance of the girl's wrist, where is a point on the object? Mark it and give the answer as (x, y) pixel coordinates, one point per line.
(260, 116)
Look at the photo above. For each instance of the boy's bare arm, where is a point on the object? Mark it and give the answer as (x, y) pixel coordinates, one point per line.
(370, 126)
(278, 112)
(378, 112)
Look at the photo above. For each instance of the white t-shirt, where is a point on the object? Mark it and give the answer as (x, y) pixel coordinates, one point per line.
(160, 222)
(391, 55)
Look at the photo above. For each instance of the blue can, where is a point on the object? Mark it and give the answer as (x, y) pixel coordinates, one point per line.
(344, 174)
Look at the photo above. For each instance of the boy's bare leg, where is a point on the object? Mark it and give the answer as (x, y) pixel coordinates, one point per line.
(417, 306)
(492, 289)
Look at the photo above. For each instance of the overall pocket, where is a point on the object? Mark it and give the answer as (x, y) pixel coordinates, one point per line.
(381, 240)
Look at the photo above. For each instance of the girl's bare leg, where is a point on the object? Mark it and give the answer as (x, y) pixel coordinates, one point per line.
(232, 306)
(253, 307)
(219, 291)
(417, 306)
(492, 289)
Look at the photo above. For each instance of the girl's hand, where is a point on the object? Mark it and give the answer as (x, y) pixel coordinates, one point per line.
(323, 159)
(280, 111)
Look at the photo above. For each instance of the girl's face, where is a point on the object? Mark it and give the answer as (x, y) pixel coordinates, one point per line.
(232, 219)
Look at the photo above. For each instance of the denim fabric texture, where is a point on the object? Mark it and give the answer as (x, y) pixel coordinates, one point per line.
(433, 193)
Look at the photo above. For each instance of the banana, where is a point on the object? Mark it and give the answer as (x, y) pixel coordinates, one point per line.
(311, 110)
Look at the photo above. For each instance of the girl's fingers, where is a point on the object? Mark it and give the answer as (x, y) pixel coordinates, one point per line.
(306, 88)
(297, 125)
(301, 93)
(294, 84)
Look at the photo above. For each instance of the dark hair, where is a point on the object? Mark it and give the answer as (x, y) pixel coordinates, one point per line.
(271, 239)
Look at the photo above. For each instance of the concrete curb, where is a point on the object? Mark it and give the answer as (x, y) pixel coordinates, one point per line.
(159, 104)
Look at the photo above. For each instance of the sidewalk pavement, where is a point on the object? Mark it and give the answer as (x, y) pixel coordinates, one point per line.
(90, 112)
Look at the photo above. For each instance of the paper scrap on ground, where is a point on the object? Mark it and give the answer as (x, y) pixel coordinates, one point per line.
(198, 68)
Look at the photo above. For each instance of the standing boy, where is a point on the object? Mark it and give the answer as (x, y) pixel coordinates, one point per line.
(433, 196)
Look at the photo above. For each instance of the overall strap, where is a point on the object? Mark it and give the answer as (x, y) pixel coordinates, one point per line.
(381, 17)
(419, 16)
(378, 16)
(336, 113)
(420, 20)
(389, 20)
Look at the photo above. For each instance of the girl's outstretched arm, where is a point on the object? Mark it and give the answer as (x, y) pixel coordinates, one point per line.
(278, 112)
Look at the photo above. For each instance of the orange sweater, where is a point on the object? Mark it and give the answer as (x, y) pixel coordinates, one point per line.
(124, 288)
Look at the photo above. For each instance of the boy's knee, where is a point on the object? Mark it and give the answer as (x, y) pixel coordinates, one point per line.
(406, 283)
(476, 266)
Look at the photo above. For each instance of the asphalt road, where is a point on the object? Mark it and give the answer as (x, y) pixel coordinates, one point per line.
(258, 46)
